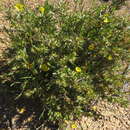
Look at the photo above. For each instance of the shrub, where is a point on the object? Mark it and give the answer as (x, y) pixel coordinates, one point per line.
(67, 59)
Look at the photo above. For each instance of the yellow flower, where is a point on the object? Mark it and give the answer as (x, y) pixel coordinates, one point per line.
(105, 20)
(94, 108)
(44, 67)
(91, 47)
(110, 57)
(42, 10)
(78, 69)
(73, 126)
(19, 7)
(21, 111)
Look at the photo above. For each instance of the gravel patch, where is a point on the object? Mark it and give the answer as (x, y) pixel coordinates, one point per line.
(113, 117)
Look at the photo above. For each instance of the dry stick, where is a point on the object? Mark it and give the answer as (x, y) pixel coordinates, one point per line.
(80, 124)
(41, 126)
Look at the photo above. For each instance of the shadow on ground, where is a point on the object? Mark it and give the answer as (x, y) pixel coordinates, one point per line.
(13, 117)
(20, 114)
